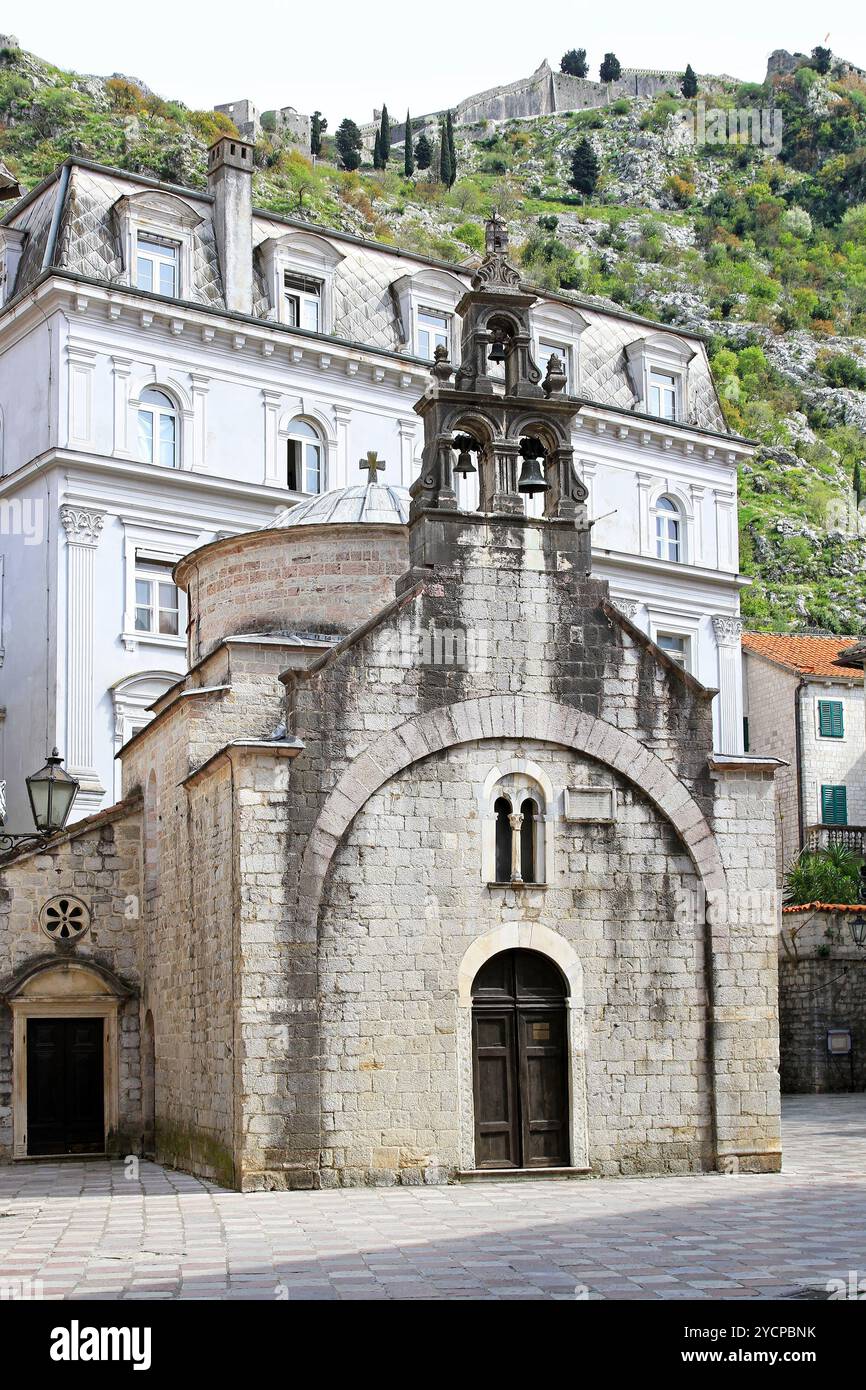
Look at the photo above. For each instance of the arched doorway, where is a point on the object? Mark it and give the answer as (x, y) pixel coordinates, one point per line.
(520, 1074)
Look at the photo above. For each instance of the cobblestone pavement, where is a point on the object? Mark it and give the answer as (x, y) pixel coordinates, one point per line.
(85, 1230)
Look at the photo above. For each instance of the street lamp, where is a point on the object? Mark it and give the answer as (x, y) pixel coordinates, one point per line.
(51, 791)
(858, 929)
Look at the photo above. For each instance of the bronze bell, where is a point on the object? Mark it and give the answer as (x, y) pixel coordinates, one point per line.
(532, 477)
(464, 443)
(497, 351)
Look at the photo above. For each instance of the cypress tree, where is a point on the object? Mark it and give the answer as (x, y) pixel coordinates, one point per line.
(452, 153)
(318, 126)
(689, 83)
(348, 143)
(610, 68)
(377, 152)
(384, 138)
(584, 168)
(408, 158)
(423, 152)
(444, 156)
(858, 482)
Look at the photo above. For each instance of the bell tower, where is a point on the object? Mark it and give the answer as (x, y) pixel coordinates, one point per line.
(519, 429)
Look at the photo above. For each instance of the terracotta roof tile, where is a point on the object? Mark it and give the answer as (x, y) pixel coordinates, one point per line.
(808, 656)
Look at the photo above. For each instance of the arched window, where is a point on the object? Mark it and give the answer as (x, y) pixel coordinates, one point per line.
(669, 530)
(518, 831)
(502, 811)
(305, 453)
(528, 810)
(157, 428)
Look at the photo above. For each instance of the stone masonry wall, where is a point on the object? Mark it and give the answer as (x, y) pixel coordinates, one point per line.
(822, 985)
(405, 902)
(314, 578)
(538, 633)
(101, 865)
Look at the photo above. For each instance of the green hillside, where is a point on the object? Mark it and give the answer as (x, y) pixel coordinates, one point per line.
(763, 251)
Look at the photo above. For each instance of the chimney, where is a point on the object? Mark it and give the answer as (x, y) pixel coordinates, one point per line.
(230, 180)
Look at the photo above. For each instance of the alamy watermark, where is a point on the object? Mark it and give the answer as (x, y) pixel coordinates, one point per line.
(736, 125)
(23, 516)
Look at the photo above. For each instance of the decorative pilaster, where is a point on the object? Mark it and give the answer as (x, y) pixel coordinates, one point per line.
(696, 555)
(121, 368)
(644, 486)
(407, 451)
(726, 554)
(83, 529)
(342, 418)
(728, 632)
(200, 388)
(271, 404)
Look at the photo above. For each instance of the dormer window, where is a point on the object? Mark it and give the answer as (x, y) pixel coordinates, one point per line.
(299, 270)
(658, 367)
(663, 395)
(432, 330)
(157, 233)
(156, 264)
(302, 301)
(546, 348)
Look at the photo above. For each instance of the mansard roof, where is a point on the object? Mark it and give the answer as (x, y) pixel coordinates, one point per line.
(83, 242)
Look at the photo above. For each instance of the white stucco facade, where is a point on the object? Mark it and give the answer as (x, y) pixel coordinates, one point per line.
(81, 510)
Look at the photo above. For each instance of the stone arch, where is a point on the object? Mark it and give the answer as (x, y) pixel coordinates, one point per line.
(527, 936)
(497, 716)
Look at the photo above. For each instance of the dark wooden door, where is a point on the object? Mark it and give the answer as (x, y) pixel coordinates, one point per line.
(65, 1086)
(519, 1060)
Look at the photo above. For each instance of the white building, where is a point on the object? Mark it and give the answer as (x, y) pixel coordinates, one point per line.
(177, 366)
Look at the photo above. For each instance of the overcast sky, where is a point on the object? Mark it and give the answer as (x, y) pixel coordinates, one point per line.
(345, 56)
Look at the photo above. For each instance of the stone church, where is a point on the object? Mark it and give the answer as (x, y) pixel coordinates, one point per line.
(426, 867)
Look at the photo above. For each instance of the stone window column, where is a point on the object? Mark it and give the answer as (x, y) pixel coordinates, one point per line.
(83, 530)
(728, 632)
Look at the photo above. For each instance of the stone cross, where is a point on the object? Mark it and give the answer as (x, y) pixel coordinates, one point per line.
(372, 463)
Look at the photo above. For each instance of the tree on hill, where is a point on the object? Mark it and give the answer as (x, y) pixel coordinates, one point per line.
(384, 138)
(452, 153)
(689, 82)
(445, 171)
(408, 161)
(318, 126)
(821, 59)
(610, 69)
(377, 151)
(574, 63)
(348, 143)
(423, 152)
(584, 168)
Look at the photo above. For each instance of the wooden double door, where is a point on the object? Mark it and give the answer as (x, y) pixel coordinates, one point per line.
(519, 1038)
(65, 1086)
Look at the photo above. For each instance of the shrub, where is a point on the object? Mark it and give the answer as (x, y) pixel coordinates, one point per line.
(210, 125)
(823, 876)
(471, 234)
(492, 164)
(797, 221)
(124, 96)
(840, 369)
(681, 190)
(621, 106)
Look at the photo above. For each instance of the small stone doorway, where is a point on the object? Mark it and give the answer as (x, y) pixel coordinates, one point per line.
(520, 1074)
(65, 1086)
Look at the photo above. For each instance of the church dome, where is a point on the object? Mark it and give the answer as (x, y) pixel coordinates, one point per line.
(377, 504)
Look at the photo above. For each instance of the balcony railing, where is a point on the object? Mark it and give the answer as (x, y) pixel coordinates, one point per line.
(853, 837)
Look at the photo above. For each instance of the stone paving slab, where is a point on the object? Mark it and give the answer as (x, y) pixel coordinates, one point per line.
(85, 1230)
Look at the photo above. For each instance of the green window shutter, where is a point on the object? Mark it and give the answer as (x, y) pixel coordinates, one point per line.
(831, 721)
(834, 805)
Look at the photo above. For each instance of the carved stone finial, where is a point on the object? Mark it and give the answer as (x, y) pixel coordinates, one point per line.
(495, 271)
(442, 368)
(372, 464)
(555, 378)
